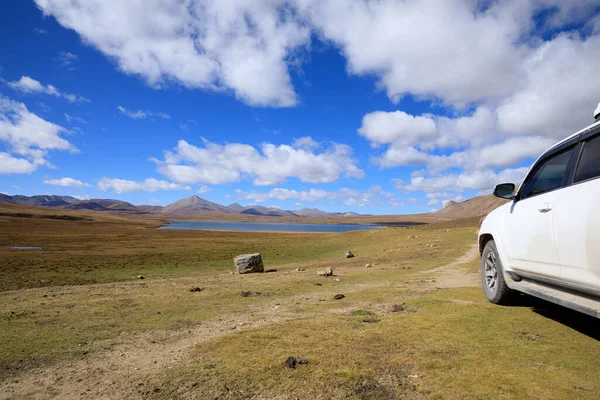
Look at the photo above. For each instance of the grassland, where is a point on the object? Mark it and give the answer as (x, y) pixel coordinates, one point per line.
(75, 322)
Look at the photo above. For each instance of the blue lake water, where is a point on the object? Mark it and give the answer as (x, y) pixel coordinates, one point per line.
(264, 227)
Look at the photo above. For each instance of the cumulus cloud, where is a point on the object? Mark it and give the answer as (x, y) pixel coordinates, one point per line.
(67, 182)
(29, 85)
(375, 195)
(147, 185)
(13, 165)
(267, 165)
(476, 180)
(239, 47)
(204, 189)
(28, 136)
(139, 114)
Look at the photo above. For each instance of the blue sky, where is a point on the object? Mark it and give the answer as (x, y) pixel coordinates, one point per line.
(380, 107)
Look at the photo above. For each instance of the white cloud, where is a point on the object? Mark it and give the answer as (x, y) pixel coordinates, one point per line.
(204, 189)
(459, 51)
(139, 114)
(477, 180)
(306, 143)
(148, 185)
(29, 136)
(561, 90)
(71, 118)
(270, 165)
(67, 182)
(350, 197)
(240, 47)
(397, 127)
(30, 85)
(67, 60)
(40, 31)
(12, 165)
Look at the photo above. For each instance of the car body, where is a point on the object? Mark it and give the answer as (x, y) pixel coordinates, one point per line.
(546, 240)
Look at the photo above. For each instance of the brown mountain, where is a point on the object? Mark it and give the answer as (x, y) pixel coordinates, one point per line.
(192, 204)
(476, 207)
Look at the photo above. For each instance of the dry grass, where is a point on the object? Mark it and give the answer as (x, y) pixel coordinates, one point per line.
(60, 340)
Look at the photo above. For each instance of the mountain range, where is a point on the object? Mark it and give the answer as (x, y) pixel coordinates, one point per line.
(189, 205)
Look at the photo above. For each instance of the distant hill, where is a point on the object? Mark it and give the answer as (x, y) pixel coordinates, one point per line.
(476, 207)
(192, 204)
(40, 201)
(312, 212)
(101, 205)
(235, 207)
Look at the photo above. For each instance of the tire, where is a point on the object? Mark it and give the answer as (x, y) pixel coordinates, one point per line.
(492, 276)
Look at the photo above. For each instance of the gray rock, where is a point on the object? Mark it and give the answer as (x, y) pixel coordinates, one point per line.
(328, 272)
(249, 263)
(349, 254)
(368, 266)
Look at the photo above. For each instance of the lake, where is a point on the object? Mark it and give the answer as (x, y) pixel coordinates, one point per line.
(264, 227)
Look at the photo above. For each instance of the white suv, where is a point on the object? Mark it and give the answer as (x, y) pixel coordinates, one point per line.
(546, 241)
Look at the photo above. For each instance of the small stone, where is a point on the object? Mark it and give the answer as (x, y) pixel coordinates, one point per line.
(367, 265)
(302, 361)
(300, 269)
(337, 279)
(349, 254)
(291, 362)
(196, 289)
(448, 230)
(328, 272)
(140, 276)
(338, 297)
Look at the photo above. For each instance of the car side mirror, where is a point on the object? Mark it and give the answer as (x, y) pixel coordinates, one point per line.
(505, 191)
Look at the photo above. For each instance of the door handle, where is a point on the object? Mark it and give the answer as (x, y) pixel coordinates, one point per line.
(545, 208)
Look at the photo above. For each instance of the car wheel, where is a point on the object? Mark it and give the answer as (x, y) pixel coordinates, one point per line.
(492, 276)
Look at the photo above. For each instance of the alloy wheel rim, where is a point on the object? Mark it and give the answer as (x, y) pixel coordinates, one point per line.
(491, 271)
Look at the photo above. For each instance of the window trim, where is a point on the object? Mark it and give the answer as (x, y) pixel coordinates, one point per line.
(586, 137)
(572, 145)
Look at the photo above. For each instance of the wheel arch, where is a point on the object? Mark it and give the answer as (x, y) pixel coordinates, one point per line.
(483, 240)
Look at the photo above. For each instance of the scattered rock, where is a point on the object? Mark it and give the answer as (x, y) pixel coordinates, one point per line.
(349, 254)
(249, 263)
(328, 272)
(529, 336)
(250, 294)
(232, 273)
(430, 245)
(291, 362)
(398, 307)
(196, 289)
(318, 284)
(337, 279)
(413, 237)
(338, 297)
(448, 230)
(300, 269)
(371, 320)
(368, 266)
(140, 277)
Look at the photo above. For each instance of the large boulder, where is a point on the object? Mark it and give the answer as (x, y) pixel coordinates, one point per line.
(249, 263)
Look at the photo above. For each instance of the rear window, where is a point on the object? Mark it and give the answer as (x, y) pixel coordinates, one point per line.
(589, 163)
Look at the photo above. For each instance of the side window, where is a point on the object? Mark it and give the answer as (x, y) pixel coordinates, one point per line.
(589, 163)
(549, 174)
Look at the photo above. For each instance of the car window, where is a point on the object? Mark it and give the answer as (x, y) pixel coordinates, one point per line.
(589, 163)
(549, 174)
